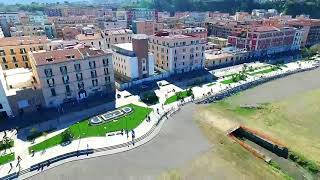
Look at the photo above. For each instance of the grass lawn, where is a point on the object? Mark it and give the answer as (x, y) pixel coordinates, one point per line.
(293, 121)
(231, 80)
(211, 84)
(265, 71)
(175, 98)
(6, 158)
(83, 129)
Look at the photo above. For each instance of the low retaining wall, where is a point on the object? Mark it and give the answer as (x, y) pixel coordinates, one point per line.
(242, 87)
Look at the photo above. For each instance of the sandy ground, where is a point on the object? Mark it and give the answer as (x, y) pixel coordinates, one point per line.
(280, 89)
(179, 141)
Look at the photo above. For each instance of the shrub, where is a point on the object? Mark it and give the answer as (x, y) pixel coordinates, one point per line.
(304, 162)
(275, 164)
(150, 98)
(66, 136)
(6, 144)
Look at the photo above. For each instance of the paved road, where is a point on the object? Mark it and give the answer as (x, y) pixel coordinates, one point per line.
(281, 88)
(179, 141)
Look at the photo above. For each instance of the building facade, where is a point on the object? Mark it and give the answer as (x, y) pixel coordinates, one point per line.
(143, 27)
(177, 53)
(311, 29)
(132, 60)
(72, 74)
(14, 50)
(117, 36)
(94, 39)
(265, 40)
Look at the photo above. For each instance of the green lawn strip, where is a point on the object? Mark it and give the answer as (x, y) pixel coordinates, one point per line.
(83, 129)
(265, 71)
(6, 158)
(231, 80)
(175, 98)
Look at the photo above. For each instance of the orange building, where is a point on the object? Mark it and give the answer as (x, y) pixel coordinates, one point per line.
(14, 50)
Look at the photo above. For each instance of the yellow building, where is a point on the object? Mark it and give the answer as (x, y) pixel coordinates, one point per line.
(14, 50)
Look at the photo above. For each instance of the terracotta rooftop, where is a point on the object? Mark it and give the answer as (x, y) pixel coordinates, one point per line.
(23, 40)
(304, 22)
(64, 55)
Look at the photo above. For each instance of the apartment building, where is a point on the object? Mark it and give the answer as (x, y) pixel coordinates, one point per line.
(225, 57)
(132, 60)
(108, 24)
(33, 30)
(143, 27)
(265, 40)
(177, 53)
(117, 36)
(94, 39)
(140, 13)
(311, 29)
(5, 109)
(14, 50)
(72, 74)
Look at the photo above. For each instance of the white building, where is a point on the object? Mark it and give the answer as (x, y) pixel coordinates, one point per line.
(132, 60)
(5, 109)
(1, 33)
(297, 39)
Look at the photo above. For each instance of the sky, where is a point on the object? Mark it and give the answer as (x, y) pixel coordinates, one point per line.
(29, 1)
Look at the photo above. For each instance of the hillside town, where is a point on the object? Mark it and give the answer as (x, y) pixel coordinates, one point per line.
(75, 62)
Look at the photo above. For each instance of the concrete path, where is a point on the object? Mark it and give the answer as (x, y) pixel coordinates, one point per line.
(179, 141)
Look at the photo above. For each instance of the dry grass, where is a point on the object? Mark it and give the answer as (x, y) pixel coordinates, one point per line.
(293, 121)
(225, 160)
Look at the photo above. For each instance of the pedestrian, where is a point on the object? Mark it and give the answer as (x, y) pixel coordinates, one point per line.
(11, 166)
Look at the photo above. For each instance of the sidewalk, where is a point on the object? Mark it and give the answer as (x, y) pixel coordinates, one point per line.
(21, 146)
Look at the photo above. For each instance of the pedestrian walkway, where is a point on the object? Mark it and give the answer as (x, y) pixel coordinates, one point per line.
(26, 160)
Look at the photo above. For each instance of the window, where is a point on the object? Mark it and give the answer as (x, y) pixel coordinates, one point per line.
(93, 74)
(12, 51)
(107, 79)
(14, 59)
(53, 92)
(77, 67)
(4, 60)
(1, 107)
(6, 66)
(48, 72)
(24, 58)
(16, 65)
(40, 48)
(22, 50)
(63, 70)
(94, 82)
(81, 85)
(68, 89)
(2, 53)
(105, 62)
(106, 71)
(26, 64)
(50, 82)
(65, 79)
(79, 76)
(92, 64)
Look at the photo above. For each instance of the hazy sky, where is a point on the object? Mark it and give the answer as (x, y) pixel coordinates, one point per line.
(29, 1)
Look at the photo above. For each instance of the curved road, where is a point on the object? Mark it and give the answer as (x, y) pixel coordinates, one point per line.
(179, 141)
